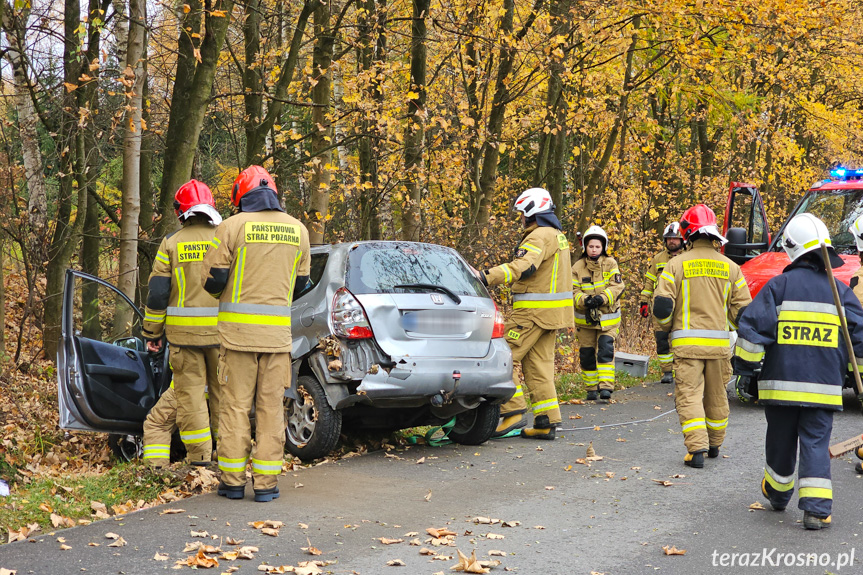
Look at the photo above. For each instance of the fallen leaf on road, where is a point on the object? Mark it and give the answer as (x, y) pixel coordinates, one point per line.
(485, 520)
(511, 523)
(200, 560)
(302, 526)
(756, 506)
(427, 551)
(111, 536)
(468, 564)
(609, 474)
(656, 407)
(160, 557)
(538, 527)
(298, 485)
(635, 468)
(539, 449)
(229, 555)
(310, 549)
(118, 543)
(199, 534)
(268, 523)
(387, 541)
(396, 563)
(442, 532)
(678, 476)
(672, 550)
(93, 544)
(496, 552)
(411, 534)
(621, 439)
(663, 482)
(576, 402)
(428, 495)
(100, 510)
(64, 547)
(725, 456)
(232, 541)
(394, 456)
(421, 460)
(494, 536)
(246, 552)
(568, 468)
(549, 487)
(270, 531)
(171, 511)
(591, 452)
(596, 428)
(415, 542)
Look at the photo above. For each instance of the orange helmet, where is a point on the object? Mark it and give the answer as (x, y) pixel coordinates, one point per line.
(195, 197)
(249, 179)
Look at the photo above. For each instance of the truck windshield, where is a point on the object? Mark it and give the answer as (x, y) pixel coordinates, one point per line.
(837, 209)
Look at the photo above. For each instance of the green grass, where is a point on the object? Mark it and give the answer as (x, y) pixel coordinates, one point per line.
(70, 496)
(570, 386)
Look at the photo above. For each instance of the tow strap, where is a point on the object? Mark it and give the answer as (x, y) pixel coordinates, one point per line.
(436, 436)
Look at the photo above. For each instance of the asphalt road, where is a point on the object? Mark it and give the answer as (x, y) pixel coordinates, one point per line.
(611, 517)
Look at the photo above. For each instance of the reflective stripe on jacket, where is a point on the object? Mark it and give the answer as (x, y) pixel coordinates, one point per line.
(177, 304)
(793, 326)
(651, 276)
(601, 277)
(541, 275)
(705, 292)
(259, 255)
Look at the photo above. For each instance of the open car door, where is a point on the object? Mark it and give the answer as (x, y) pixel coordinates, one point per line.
(107, 381)
(745, 223)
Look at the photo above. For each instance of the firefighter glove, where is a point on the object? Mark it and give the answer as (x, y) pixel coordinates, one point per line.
(643, 309)
(593, 316)
(593, 301)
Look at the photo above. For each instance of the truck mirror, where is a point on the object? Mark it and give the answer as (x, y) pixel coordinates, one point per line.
(735, 248)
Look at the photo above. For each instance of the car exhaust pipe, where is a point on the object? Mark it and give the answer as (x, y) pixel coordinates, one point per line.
(446, 397)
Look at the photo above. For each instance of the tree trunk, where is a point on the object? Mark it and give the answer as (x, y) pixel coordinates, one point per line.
(131, 202)
(146, 246)
(193, 86)
(322, 135)
(415, 131)
(121, 32)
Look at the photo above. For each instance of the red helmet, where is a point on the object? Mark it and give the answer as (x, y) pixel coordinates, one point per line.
(195, 197)
(696, 218)
(249, 179)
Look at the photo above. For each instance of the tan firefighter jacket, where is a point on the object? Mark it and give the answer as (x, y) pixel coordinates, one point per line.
(857, 284)
(252, 268)
(540, 276)
(601, 277)
(651, 276)
(177, 304)
(698, 299)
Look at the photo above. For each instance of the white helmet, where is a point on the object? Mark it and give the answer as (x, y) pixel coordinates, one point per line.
(534, 201)
(805, 233)
(857, 229)
(595, 232)
(672, 230)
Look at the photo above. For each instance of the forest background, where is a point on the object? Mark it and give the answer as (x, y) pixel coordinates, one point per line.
(402, 119)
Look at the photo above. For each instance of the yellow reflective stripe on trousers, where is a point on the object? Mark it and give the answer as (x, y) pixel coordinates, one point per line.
(195, 436)
(181, 286)
(589, 378)
(716, 423)
(665, 357)
(233, 465)
(519, 392)
(819, 487)
(543, 406)
(266, 467)
(157, 451)
(778, 482)
(239, 267)
(693, 424)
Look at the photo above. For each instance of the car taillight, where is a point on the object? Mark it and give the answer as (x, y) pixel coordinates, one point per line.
(349, 318)
(497, 331)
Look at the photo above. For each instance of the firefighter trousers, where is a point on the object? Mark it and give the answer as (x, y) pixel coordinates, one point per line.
(701, 401)
(810, 428)
(249, 378)
(663, 351)
(596, 355)
(159, 426)
(195, 376)
(533, 346)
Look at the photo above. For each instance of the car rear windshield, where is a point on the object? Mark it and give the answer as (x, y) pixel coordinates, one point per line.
(838, 209)
(380, 266)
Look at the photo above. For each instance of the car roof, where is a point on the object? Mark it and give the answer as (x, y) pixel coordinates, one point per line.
(346, 246)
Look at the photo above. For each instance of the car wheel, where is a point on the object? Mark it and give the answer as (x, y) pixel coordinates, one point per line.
(475, 426)
(126, 447)
(312, 427)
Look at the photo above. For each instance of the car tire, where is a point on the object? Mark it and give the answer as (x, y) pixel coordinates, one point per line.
(126, 447)
(312, 427)
(475, 426)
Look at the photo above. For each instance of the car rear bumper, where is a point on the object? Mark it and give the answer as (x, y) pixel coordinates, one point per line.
(413, 381)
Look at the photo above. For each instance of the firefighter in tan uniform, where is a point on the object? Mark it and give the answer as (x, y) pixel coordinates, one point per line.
(259, 257)
(596, 285)
(857, 287)
(700, 295)
(160, 425)
(541, 277)
(180, 309)
(673, 246)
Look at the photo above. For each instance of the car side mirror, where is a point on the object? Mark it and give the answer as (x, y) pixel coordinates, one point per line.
(131, 343)
(735, 248)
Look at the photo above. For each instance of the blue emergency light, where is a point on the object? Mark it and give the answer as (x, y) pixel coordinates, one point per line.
(842, 173)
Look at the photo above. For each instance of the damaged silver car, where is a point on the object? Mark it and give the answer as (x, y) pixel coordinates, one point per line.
(387, 335)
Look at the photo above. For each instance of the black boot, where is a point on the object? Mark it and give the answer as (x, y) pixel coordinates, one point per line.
(592, 395)
(812, 521)
(231, 491)
(713, 452)
(695, 460)
(667, 377)
(265, 495)
(604, 394)
(542, 428)
(776, 505)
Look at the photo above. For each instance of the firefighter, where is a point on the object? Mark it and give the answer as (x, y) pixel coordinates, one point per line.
(791, 333)
(161, 423)
(856, 285)
(540, 275)
(673, 246)
(597, 285)
(179, 308)
(699, 296)
(259, 257)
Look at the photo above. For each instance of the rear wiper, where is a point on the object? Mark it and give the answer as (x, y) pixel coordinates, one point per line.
(431, 287)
